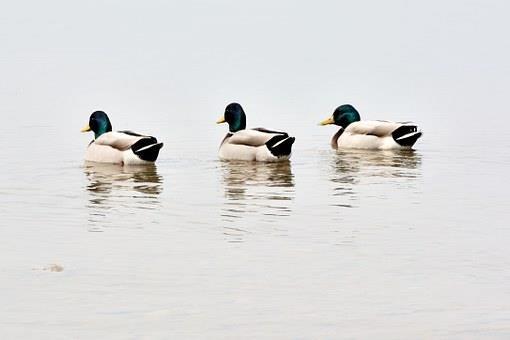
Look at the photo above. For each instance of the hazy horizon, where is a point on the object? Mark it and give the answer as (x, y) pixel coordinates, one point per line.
(392, 60)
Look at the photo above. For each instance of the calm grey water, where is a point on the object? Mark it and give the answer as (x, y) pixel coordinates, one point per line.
(351, 245)
(357, 244)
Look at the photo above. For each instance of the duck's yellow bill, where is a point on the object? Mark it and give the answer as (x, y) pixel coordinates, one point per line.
(86, 128)
(221, 120)
(327, 121)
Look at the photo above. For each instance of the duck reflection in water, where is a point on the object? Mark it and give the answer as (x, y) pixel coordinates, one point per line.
(256, 189)
(116, 189)
(350, 169)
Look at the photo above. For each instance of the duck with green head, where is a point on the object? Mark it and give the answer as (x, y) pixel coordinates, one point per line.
(121, 147)
(251, 144)
(355, 133)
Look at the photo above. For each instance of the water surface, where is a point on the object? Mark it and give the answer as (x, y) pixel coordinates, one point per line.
(356, 243)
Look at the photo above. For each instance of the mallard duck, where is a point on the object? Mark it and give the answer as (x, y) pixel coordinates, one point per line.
(364, 134)
(251, 144)
(122, 147)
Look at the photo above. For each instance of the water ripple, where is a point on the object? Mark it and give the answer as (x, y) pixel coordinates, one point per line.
(118, 191)
(255, 189)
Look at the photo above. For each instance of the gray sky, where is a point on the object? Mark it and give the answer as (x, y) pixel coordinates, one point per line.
(423, 61)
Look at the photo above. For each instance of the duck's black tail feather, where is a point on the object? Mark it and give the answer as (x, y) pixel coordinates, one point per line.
(280, 145)
(406, 135)
(147, 149)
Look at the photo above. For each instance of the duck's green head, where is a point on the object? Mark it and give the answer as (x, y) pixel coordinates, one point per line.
(235, 117)
(99, 123)
(343, 116)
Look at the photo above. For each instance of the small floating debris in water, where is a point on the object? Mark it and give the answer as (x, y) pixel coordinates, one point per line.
(51, 268)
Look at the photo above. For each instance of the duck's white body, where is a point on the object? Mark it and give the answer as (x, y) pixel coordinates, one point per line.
(376, 135)
(123, 147)
(256, 145)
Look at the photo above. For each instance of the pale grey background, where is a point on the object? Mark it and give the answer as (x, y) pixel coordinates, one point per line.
(65, 59)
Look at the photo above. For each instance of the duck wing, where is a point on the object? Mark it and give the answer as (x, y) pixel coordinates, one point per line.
(255, 137)
(123, 140)
(376, 128)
